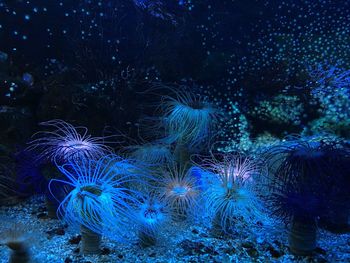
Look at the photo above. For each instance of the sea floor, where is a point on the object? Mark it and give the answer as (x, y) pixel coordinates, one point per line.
(52, 242)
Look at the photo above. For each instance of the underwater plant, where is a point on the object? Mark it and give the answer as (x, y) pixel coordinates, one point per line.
(302, 186)
(151, 216)
(230, 194)
(101, 200)
(180, 191)
(67, 142)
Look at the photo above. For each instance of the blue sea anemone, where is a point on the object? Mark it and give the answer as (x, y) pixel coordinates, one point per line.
(151, 216)
(66, 142)
(101, 199)
(307, 179)
(180, 190)
(189, 119)
(230, 193)
(154, 153)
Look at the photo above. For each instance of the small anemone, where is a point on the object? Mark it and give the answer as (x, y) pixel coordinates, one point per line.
(63, 142)
(189, 119)
(180, 191)
(152, 153)
(17, 237)
(151, 215)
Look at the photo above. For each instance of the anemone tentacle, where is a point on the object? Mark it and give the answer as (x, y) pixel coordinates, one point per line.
(66, 142)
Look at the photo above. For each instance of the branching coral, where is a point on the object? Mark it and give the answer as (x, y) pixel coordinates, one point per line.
(230, 194)
(101, 200)
(66, 142)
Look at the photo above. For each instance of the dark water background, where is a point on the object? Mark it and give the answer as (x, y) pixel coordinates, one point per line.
(239, 52)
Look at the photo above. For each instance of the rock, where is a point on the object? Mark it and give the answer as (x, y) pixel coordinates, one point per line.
(59, 231)
(321, 251)
(105, 251)
(250, 249)
(42, 216)
(275, 253)
(75, 240)
(196, 248)
(195, 231)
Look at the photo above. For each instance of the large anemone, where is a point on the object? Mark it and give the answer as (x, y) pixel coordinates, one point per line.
(307, 179)
(101, 200)
(230, 193)
(63, 142)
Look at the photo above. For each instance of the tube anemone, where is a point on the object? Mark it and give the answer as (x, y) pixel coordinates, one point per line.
(151, 216)
(101, 200)
(303, 186)
(189, 119)
(152, 153)
(230, 195)
(180, 191)
(17, 237)
(66, 142)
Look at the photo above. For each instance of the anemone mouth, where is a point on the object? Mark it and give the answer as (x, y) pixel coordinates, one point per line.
(180, 190)
(151, 215)
(92, 189)
(77, 145)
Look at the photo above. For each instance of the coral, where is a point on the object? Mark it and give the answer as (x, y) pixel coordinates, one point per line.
(101, 199)
(281, 109)
(67, 142)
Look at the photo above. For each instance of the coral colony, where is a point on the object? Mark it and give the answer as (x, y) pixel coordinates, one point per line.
(174, 131)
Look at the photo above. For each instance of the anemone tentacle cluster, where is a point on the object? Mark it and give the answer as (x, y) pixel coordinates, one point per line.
(101, 199)
(66, 142)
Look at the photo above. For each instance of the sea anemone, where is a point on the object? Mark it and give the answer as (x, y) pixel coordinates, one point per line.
(101, 200)
(304, 185)
(154, 153)
(18, 238)
(230, 193)
(180, 191)
(66, 142)
(151, 216)
(189, 119)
